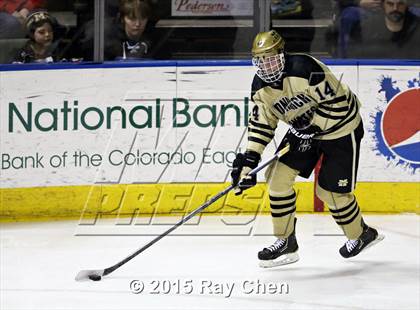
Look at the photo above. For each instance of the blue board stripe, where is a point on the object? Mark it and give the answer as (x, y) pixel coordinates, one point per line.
(191, 63)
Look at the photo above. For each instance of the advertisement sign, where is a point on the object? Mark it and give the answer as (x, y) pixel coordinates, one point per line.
(391, 112)
(163, 125)
(96, 128)
(212, 8)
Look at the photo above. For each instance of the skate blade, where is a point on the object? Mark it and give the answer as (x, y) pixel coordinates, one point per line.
(378, 239)
(286, 259)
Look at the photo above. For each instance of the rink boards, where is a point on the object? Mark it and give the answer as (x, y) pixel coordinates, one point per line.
(160, 138)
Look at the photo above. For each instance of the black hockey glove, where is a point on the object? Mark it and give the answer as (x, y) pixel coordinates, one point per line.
(242, 165)
(299, 142)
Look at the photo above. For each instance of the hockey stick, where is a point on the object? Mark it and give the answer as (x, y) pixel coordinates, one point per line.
(97, 274)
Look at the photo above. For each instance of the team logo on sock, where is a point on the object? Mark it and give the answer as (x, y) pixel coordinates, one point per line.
(343, 183)
(397, 126)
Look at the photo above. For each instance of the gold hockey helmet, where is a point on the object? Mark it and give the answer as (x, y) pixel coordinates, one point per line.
(268, 55)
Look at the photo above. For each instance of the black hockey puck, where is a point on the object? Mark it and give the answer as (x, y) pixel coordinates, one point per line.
(95, 277)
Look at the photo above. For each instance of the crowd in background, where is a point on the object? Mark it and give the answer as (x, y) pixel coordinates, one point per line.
(378, 29)
(30, 31)
(31, 23)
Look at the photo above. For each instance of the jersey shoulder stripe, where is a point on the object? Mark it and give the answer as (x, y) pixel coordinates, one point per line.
(304, 66)
(257, 84)
(350, 109)
(262, 133)
(331, 109)
(329, 115)
(346, 119)
(333, 101)
(263, 126)
(258, 140)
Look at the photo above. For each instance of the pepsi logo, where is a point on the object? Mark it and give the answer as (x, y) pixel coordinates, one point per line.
(400, 125)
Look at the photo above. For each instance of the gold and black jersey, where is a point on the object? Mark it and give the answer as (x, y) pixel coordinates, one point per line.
(308, 97)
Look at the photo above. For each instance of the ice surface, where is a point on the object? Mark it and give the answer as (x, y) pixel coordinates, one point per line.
(40, 260)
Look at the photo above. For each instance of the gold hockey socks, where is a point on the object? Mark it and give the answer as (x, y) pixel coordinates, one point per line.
(283, 209)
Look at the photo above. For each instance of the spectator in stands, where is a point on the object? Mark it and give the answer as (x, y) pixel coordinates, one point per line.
(43, 45)
(128, 37)
(349, 17)
(13, 14)
(393, 32)
(350, 14)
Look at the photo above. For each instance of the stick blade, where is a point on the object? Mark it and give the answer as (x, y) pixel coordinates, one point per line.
(84, 275)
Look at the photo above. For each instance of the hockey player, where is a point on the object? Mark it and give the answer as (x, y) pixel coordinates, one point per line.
(324, 117)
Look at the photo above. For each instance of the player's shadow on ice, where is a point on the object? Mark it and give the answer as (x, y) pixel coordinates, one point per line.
(349, 269)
